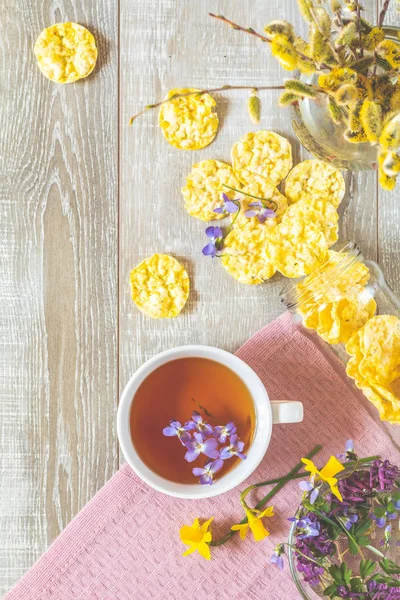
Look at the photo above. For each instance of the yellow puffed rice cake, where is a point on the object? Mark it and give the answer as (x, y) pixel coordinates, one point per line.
(297, 248)
(333, 300)
(204, 188)
(66, 52)
(262, 189)
(189, 122)
(160, 286)
(319, 212)
(315, 179)
(375, 364)
(244, 254)
(263, 154)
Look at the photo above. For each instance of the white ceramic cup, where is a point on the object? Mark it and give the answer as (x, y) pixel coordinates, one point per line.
(267, 412)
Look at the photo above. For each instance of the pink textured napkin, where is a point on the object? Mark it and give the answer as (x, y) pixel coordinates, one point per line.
(124, 545)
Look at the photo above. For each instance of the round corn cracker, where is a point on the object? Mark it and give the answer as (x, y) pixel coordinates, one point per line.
(189, 122)
(244, 254)
(263, 154)
(265, 190)
(204, 188)
(160, 286)
(319, 212)
(66, 52)
(297, 248)
(315, 179)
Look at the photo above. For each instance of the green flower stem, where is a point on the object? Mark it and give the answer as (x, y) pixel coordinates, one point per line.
(304, 555)
(293, 474)
(251, 195)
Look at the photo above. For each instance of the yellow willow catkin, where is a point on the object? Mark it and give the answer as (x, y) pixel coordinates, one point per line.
(364, 87)
(374, 38)
(280, 28)
(300, 88)
(371, 119)
(324, 20)
(346, 94)
(334, 111)
(387, 182)
(320, 50)
(254, 107)
(391, 164)
(304, 7)
(390, 52)
(306, 65)
(347, 34)
(284, 51)
(287, 98)
(390, 136)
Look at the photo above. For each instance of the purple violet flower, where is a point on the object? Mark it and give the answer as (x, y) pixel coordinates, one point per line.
(308, 486)
(215, 235)
(222, 432)
(199, 445)
(396, 504)
(176, 428)
(260, 211)
(207, 473)
(306, 527)
(383, 475)
(381, 521)
(277, 559)
(229, 207)
(349, 521)
(235, 448)
(197, 424)
(348, 448)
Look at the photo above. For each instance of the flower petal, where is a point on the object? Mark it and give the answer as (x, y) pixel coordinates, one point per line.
(250, 213)
(198, 471)
(170, 431)
(206, 525)
(209, 250)
(242, 529)
(314, 495)
(216, 465)
(204, 550)
(306, 486)
(191, 455)
(231, 207)
(332, 468)
(258, 529)
(210, 232)
(219, 210)
(225, 453)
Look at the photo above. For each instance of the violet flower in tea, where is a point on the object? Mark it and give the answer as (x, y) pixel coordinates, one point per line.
(235, 448)
(207, 473)
(176, 428)
(199, 445)
(206, 440)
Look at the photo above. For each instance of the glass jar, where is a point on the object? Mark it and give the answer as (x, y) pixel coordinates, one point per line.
(311, 295)
(323, 138)
(374, 551)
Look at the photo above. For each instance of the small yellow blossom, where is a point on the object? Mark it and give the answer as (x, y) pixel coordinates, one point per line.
(327, 473)
(197, 537)
(254, 522)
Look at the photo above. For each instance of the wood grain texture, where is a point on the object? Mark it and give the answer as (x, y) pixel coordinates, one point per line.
(59, 235)
(58, 272)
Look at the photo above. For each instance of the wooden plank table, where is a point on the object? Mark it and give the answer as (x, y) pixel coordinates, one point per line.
(83, 198)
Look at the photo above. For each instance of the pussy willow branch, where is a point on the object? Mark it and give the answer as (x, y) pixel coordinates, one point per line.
(327, 39)
(251, 31)
(358, 12)
(383, 12)
(223, 88)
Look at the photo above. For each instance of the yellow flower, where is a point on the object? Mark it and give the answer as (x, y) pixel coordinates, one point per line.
(197, 537)
(254, 522)
(327, 473)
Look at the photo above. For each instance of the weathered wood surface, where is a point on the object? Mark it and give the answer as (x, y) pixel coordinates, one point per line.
(58, 281)
(60, 237)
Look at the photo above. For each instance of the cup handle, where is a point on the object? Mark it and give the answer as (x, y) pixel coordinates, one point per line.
(286, 411)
